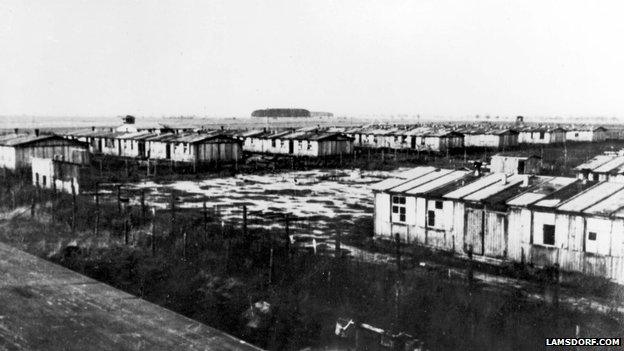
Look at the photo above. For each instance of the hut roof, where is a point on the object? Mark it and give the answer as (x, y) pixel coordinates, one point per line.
(15, 140)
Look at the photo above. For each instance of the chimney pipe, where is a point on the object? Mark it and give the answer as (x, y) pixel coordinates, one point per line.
(525, 181)
(477, 167)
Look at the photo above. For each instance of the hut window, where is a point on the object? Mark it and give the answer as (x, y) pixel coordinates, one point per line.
(575, 134)
(131, 145)
(398, 208)
(309, 145)
(422, 141)
(438, 205)
(431, 218)
(591, 236)
(185, 147)
(299, 144)
(549, 234)
(541, 135)
(44, 180)
(273, 142)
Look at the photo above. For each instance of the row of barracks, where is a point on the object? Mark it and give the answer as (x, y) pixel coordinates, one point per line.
(507, 217)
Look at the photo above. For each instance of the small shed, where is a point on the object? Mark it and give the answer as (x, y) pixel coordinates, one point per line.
(516, 163)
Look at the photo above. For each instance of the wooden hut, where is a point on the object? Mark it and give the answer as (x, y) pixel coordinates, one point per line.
(586, 134)
(489, 138)
(17, 150)
(194, 148)
(538, 220)
(541, 135)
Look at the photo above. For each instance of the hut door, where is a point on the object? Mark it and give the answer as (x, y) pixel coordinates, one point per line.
(474, 231)
(99, 145)
(413, 140)
(141, 148)
(291, 146)
(521, 167)
(168, 151)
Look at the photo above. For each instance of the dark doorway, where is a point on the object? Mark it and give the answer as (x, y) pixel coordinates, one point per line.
(168, 152)
(521, 167)
(142, 149)
(413, 142)
(291, 146)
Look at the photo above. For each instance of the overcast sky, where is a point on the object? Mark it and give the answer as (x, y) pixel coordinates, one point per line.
(434, 57)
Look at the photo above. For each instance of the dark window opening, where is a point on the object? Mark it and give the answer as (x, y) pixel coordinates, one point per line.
(549, 234)
(438, 205)
(541, 135)
(591, 236)
(395, 209)
(44, 180)
(431, 218)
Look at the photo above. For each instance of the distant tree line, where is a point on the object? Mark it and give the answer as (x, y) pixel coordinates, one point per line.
(281, 112)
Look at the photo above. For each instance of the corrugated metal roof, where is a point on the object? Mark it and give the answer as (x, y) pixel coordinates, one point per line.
(494, 188)
(608, 206)
(540, 191)
(594, 162)
(414, 172)
(590, 197)
(401, 178)
(426, 178)
(20, 139)
(516, 154)
(611, 166)
(439, 182)
(554, 199)
(474, 186)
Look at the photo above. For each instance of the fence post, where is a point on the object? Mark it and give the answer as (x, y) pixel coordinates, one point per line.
(97, 208)
(245, 221)
(172, 220)
(397, 240)
(205, 212)
(119, 198)
(184, 245)
(73, 190)
(271, 261)
(32, 206)
(153, 231)
(53, 199)
(338, 249)
(143, 209)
